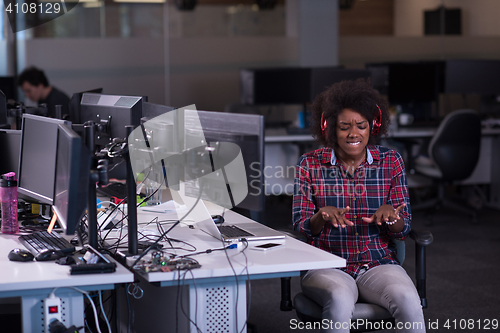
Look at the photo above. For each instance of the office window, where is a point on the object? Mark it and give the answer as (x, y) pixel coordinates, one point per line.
(106, 18)
(227, 21)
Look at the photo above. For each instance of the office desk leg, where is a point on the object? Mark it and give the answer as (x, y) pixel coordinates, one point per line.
(218, 307)
(32, 310)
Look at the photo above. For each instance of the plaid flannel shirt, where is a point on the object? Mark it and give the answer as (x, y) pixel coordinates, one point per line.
(321, 180)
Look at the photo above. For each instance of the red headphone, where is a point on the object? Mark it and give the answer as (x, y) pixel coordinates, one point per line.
(377, 123)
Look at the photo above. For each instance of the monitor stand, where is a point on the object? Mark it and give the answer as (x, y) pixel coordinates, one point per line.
(92, 198)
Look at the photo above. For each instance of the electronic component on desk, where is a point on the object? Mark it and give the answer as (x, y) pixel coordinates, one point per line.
(49, 255)
(20, 255)
(93, 262)
(160, 263)
(52, 310)
(266, 246)
(42, 240)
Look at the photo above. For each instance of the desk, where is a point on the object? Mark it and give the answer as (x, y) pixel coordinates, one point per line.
(33, 281)
(213, 288)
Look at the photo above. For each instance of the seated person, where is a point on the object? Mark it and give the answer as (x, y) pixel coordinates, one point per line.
(35, 86)
(350, 199)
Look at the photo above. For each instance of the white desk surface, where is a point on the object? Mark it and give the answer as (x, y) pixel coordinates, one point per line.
(17, 277)
(287, 260)
(411, 132)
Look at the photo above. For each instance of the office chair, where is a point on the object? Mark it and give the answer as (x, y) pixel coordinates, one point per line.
(453, 155)
(309, 311)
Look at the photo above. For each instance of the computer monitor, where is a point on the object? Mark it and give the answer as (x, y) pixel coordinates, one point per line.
(414, 82)
(111, 113)
(287, 85)
(74, 104)
(323, 77)
(10, 144)
(3, 108)
(415, 85)
(290, 85)
(243, 130)
(72, 179)
(465, 76)
(37, 162)
(8, 86)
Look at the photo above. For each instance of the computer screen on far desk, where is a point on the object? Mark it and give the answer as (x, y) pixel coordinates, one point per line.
(10, 144)
(72, 179)
(237, 134)
(37, 162)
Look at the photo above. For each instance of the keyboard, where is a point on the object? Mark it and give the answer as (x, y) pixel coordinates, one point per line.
(42, 240)
(232, 231)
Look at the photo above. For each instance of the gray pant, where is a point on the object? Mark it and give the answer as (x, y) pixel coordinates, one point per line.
(386, 285)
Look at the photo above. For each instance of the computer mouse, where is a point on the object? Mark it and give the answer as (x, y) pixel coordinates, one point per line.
(47, 255)
(20, 255)
(218, 219)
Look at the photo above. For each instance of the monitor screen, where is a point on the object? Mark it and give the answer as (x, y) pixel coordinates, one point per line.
(3, 108)
(232, 130)
(286, 85)
(10, 144)
(414, 82)
(324, 77)
(8, 86)
(37, 162)
(473, 77)
(72, 179)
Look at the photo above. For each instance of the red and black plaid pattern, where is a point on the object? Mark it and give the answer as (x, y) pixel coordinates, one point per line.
(320, 183)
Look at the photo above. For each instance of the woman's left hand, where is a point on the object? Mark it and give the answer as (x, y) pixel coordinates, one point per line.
(385, 214)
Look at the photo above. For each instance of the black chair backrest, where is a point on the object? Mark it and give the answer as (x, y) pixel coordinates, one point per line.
(455, 146)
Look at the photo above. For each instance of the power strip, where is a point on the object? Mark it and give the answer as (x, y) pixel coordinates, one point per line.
(52, 310)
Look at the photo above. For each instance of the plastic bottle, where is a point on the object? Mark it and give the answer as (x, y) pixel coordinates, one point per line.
(8, 199)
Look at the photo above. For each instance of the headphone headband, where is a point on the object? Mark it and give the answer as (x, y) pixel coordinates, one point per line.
(377, 123)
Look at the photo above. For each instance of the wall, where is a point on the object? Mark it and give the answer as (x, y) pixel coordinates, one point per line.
(205, 71)
(479, 17)
(354, 52)
(120, 66)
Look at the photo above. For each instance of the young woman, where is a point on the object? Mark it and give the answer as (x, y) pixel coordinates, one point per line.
(351, 198)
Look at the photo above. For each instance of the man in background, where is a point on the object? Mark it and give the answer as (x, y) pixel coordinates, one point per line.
(36, 87)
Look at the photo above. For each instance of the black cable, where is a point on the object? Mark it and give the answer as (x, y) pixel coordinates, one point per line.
(173, 226)
(196, 303)
(237, 289)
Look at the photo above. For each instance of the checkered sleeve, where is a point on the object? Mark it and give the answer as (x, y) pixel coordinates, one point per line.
(398, 194)
(303, 207)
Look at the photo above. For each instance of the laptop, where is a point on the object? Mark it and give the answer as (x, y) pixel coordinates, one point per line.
(233, 233)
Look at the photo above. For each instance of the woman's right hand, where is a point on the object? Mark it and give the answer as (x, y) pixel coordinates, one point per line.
(334, 215)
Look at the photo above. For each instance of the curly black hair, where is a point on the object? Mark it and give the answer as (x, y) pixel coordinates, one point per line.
(356, 95)
(33, 76)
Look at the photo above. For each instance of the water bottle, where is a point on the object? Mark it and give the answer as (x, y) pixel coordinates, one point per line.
(8, 199)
